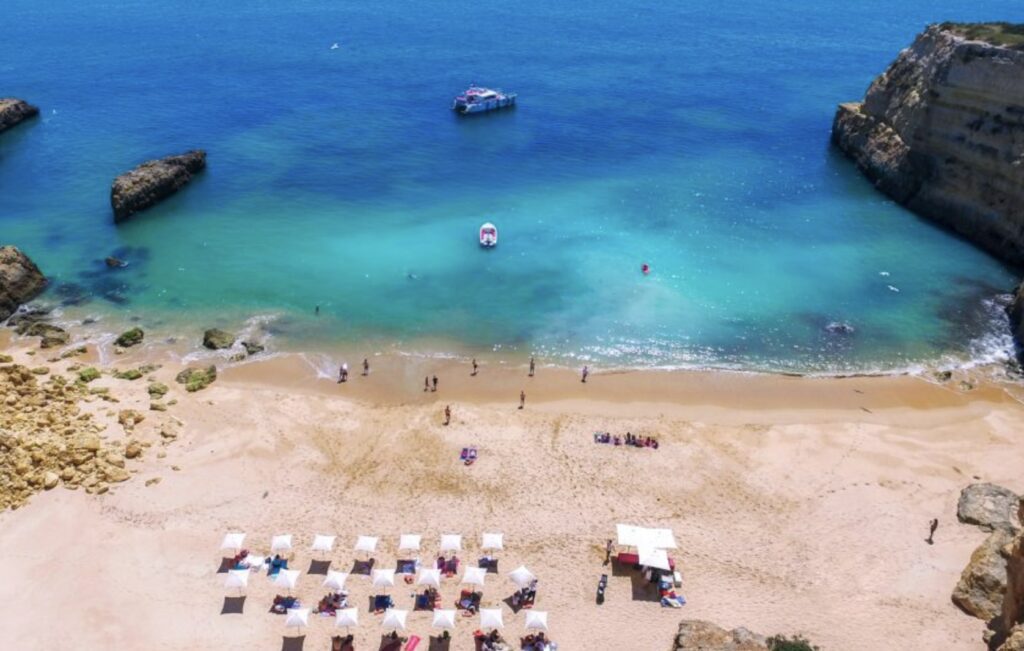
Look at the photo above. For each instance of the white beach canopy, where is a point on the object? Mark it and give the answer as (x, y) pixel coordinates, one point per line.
(444, 619)
(255, 562)
(521, 576)
(451, 542)
(536, 620)
(491, 618)
(286, 578)
(633, 536)
(346, 617)
(429, 577)
(297, 618)
(322, 543)
(409, 541)
(237, 579)
(335, 580)
(282, 543)
(366, 544)
(474, 576)
(492, 541)
(232, 541)
(652, 557)
(394, 619)
(383, 578)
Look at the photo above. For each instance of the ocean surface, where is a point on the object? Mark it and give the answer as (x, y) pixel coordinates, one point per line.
(692, 136)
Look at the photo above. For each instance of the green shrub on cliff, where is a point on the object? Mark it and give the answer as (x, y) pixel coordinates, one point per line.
(796, 643)
(1005, 34)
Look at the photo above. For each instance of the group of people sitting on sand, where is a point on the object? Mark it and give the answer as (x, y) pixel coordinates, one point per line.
(537, 642)
(282, 604)
(491, 641)
(332, 603)
(448, 567)
(525, 597)
(429, 599)
(630, 440)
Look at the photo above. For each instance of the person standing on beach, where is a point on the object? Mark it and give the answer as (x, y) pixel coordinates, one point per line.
(435, 383)
(366, 367)
(608, 552)
(474, 366)
(586, 372)
(532, 366)
(426, 384)
(343, 373)
(932, 526)
(447, 414)
(522, 399)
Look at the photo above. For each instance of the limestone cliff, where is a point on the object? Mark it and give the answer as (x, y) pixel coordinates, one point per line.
(14, 111)
(152, 182)
(942, 132)
(20, 280)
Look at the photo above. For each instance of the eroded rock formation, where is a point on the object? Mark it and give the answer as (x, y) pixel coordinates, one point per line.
(698, 635)
(152, 182)
(15, 111)
(20, 280)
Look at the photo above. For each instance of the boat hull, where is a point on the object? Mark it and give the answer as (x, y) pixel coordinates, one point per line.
(486, 105)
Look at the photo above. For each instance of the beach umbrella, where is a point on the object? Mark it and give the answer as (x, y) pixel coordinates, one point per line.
(536, 620)
(451, 542)
(232, 541)
(383, 578)
(444, 619)
(492, 541)
(629, 535)
(409, 541)
(237, 579)
(521, 576)
(491, 618)
(394, 619)
(651, 557)
(297, 618)
(474, 576)
(335, 580)
(287, 579)
(662, 538)
(282, 543)
(429, 577)
(323, 543)
(346, 617)
(366, 544)
(255, 562)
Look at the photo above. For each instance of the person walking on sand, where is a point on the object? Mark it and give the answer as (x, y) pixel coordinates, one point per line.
(447, 414)
(435, 383)
(522, 399)
(932, 526)
(366, 367)
(586, 372)
(343, 373)
(608, 552)
(426, 384)
(474, 366)
(532, 366)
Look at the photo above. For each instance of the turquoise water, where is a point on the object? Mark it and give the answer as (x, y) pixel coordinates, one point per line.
(691, 136)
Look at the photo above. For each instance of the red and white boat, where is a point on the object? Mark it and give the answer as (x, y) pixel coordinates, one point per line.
(488, 235)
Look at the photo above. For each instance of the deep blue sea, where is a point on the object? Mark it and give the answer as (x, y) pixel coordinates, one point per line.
(692, 136)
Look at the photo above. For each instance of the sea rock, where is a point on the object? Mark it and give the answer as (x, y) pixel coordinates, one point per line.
(129, 418)
(14, 111)
(20, 280)
(698, 635)
(157, 390)
(982, 585)
(133, 450)
(1016, 311)
(49, 335)
(990, 507)
(216, 339)
(940, 132)
(152, 182)
(130, 338)
(252, 348)
(130, 374)
(196, 379)
(839, 328)
(89, 374)
(114, 263)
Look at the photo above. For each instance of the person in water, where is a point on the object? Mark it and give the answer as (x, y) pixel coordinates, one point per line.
(343, 374)
(317, 311)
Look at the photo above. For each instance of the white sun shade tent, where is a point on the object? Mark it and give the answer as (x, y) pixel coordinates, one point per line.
(237, 579)
(366, 544)
(383, 578)
(429, 577)
(451, 542)
(444, 619)
(346, 617)
(322, 543)
(490, 618)
(394, 619)
(474, 576)
(633, 536)
(297, 618)
(233, 541)
(282, 543)
(335, 580)
(521, 576)
(536, 620)
(652, 557)
(409, 542)
(492, 542)
(287, 579)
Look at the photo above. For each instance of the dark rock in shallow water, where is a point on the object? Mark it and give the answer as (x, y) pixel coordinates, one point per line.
(130, 338)
(72, 294)
(20, 280)
(115, 263)
(14, 111)
(49, 334)
(152, 182)
(840, 328)
(216, 339)
(252, 348)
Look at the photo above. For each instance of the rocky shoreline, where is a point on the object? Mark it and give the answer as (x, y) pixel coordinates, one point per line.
(152, 182)
(15, 111)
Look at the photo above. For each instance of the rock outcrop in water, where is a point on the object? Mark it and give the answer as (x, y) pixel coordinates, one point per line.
(1017, 319)
(942, 132)
(152, 182)
(14, 111)
(20, 280)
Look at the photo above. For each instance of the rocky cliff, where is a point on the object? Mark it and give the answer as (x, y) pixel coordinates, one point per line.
(20, 280)
(698, 635)
(14, 111)
(942, 132)
(152, 182)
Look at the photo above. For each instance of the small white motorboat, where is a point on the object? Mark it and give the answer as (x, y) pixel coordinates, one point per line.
(488, 235)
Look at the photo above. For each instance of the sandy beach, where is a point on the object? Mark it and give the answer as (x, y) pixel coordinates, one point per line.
(800, 505)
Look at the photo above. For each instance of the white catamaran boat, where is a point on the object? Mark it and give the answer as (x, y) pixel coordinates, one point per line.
(488, 235)
(479, 100)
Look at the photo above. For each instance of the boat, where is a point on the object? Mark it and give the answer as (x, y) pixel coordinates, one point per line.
(479, 100)
(488, 235)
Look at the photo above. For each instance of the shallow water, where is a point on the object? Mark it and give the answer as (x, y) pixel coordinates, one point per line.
(690, 137)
